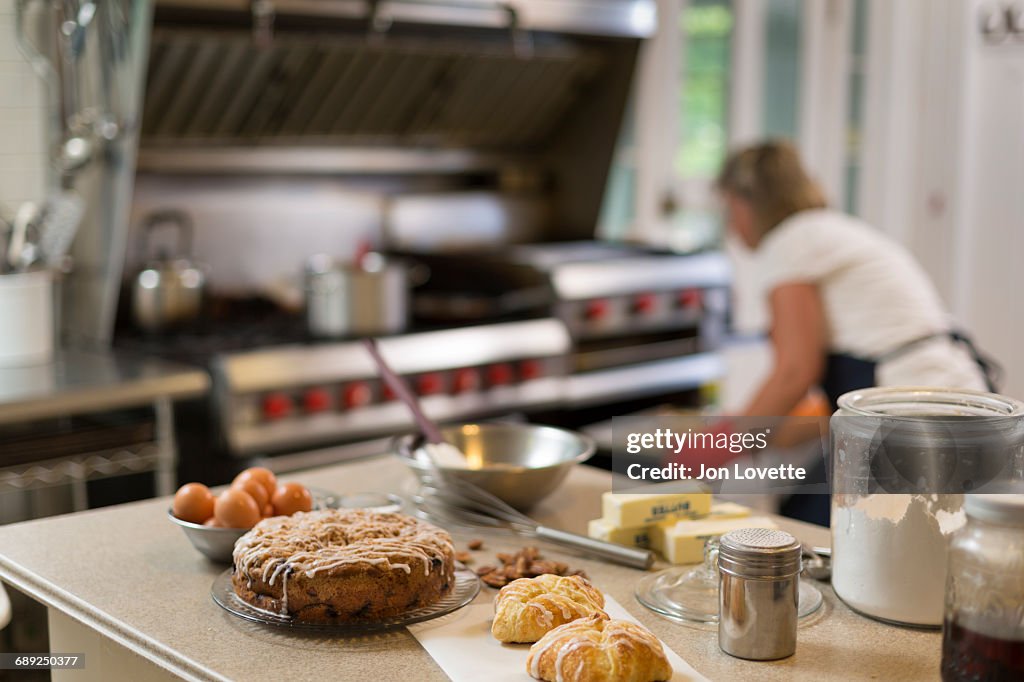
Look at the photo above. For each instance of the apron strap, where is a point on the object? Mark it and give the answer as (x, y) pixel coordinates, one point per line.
(990, 369)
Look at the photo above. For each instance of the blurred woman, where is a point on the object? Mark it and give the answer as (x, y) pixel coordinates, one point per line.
(849, 307)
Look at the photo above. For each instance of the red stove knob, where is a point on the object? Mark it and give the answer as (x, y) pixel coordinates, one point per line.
(500, 374)
(276, 406)
(466, 380)
(430, 384)
(358, 394)
(531, 369)
(596, 309)
(316, 400)
(690, 298)
(644, 303)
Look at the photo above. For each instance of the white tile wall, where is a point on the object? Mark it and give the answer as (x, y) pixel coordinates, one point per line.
(22, 132)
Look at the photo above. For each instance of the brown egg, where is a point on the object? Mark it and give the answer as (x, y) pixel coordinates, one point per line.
(264, 476)
(193, 502)
(268, 510)
(255, 489)
(236, 509)
(291, 498)
(212, 522)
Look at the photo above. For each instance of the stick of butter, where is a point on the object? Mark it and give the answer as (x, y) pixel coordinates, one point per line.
(727, 510)
(599, 529)
(682, 542)
(633, 510)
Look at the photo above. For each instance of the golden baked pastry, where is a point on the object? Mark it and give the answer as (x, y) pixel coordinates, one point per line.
(526, 609)
(343, 565)
(597, 649)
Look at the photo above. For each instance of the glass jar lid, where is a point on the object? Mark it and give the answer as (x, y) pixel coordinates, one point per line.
(916, 402)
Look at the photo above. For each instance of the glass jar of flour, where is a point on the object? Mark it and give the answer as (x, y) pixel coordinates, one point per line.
(902, 459)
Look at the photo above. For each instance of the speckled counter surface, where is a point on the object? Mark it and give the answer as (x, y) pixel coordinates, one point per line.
(130, 574)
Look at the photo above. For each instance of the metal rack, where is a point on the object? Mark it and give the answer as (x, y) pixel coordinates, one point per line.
(157, 455)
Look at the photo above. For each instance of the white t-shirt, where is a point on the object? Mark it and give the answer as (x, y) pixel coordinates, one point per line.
(876, 297)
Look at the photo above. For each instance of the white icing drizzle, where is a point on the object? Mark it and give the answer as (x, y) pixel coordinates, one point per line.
(609, 637)
(571, 596)
(313, 542)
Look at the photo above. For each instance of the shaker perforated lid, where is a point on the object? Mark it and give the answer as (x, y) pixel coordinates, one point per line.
(759, 553)
(1004, 508)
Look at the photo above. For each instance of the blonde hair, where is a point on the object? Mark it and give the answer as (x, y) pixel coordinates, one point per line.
(772, 179)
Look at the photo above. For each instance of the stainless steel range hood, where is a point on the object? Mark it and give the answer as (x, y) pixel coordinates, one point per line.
(357, 86)
(341, 90)
(520, 97)
(623, 18)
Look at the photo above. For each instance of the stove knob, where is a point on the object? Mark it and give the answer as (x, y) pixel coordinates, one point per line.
(531, 369)
(466, 380)
(644, 303)
(276, 406)
(316, 400)
(430, 384)
(499, 375)
(690, 299)
(358, 394)
(597, 309)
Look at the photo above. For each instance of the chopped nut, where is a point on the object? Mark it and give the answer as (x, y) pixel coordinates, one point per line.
(464, 557)
(494, 580)
(540, 568)
(526, 563)
(476, 544)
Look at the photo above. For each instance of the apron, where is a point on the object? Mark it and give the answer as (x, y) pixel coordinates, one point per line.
(845, 373)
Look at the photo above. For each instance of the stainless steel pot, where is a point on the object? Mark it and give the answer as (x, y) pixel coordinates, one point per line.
(169, 291)
(368, 299)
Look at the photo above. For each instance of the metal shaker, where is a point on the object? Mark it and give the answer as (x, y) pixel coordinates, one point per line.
(759, 571)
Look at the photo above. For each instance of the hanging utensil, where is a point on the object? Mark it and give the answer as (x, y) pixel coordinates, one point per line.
(59, 223)
(21, 252)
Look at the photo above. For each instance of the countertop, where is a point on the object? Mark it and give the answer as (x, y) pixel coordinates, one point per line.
(89, 381)
(130, 574)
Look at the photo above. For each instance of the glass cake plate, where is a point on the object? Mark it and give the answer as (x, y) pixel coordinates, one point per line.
(467, 585)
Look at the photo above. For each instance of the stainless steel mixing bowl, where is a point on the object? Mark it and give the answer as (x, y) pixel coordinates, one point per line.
(519, 463)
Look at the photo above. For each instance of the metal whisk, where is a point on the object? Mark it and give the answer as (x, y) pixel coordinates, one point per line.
(446, 498)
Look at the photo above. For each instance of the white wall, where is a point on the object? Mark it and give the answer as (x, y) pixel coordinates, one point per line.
(22, 148)
(988, 249)
(944, 161)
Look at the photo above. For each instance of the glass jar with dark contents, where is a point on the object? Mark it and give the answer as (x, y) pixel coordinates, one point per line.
(983, 633)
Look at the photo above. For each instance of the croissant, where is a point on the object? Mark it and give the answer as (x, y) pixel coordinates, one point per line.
(597, 649)
(526, 609)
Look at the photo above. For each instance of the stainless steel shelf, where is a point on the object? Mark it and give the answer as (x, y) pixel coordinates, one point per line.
(80, 382)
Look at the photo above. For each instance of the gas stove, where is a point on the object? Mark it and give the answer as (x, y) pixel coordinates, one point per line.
(285, 397)
(556, 330)
(641, 321)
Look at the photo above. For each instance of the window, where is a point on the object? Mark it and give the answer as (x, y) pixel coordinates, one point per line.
(855, 104)
(706, 29)
(781, 93)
